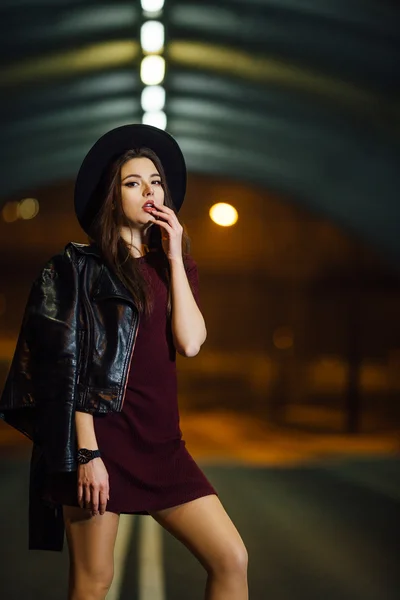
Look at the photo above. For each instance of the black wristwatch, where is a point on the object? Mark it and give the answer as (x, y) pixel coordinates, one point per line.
(84, 455)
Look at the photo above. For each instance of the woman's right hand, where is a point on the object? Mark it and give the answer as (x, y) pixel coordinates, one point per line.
(93, 486)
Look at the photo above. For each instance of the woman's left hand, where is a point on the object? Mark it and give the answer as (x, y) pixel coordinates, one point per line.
(171, 231)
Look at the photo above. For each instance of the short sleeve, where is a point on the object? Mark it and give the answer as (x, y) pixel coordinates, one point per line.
(193, 277)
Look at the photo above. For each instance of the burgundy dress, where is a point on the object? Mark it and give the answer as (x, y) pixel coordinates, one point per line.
(148, 464)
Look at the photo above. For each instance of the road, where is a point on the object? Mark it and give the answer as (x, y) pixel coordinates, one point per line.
(324, 529)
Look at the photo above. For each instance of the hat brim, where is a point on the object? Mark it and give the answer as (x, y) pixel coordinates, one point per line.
(112, 145)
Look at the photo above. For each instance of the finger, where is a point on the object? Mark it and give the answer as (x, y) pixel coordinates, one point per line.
(170, 217)
(103, 497)
(95, 500)
(165, 226)
(80, 494)
(163, 218)
(165, 208)
(87, 496)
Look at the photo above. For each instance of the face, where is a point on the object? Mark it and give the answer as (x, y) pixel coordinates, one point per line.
(140, 185)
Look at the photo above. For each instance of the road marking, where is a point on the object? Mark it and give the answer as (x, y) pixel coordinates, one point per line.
(151, 569)
(124, 536)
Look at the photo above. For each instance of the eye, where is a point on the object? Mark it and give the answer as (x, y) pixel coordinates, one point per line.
(156, 181)
(131, 183)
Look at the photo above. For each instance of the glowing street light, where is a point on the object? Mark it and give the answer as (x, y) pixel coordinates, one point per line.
(152, 70)
(152, 36)
(223, 214)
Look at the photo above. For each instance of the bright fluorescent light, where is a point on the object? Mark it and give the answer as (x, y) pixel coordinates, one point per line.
(153, 98)
(152, 70)
(157, 119)
(152, 36)
(151, 6)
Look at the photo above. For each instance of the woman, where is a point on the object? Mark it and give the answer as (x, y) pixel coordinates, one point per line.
(93, 380)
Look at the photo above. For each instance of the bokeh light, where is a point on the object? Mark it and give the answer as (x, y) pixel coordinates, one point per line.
(153, 98)
(10, 212)
(152, 70)
(156, 118)
(283, 338)
(152, 36)
(151, 6)
(28, 208)
(224, 214)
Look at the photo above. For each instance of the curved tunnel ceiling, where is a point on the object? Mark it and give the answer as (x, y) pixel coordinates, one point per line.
(299, 95)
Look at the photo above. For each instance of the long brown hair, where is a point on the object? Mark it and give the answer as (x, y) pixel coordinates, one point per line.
(104, 231)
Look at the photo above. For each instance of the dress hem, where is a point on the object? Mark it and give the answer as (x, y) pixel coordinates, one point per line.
(144, 512)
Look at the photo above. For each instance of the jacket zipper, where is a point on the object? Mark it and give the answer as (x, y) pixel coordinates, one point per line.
(81, 355)
(89, 337)
(130, 360)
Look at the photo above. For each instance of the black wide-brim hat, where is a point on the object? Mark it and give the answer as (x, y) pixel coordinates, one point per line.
(88, 197)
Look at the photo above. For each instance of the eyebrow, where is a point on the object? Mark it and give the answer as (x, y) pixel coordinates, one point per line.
(140, 177)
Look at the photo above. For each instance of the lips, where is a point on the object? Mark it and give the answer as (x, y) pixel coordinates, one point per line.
(148, 205)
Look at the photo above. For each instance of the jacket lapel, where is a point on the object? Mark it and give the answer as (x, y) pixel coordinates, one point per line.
(110, 286)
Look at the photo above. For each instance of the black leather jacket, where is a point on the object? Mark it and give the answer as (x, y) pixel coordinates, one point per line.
(73, 353)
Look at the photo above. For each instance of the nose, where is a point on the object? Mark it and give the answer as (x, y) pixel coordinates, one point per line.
(148, 190)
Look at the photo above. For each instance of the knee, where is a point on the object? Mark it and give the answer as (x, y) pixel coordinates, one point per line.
(233, 561)
(91, 584)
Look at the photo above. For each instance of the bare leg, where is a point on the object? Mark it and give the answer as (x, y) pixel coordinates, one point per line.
(91, 542)
(204, 527)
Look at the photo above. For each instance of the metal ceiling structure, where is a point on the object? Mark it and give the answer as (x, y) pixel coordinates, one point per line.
(299, 95)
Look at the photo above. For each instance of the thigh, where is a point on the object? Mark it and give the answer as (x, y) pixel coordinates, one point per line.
(205, 528)
(91, 540)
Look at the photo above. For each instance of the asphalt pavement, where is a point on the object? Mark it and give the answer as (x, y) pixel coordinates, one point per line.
(325, 529)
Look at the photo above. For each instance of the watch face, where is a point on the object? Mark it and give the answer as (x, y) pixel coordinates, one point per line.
(84, 456)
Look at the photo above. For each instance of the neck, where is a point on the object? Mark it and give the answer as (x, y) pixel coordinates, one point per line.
(137, 240)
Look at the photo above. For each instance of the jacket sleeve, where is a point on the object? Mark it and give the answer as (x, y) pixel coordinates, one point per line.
(43, 373)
